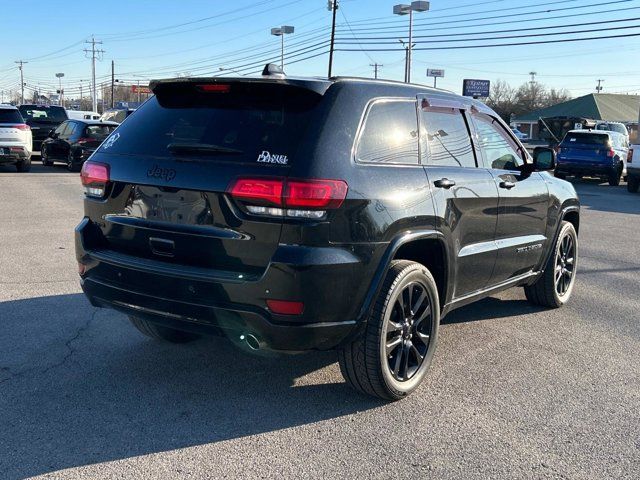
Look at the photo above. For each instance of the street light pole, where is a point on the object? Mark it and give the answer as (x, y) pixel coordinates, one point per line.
(404, 9)
(281, 32)
(60, 100)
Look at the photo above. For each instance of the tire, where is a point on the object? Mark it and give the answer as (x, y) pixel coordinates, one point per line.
(633, 183)
(366, 363)
(614, 178)
(72, 166)
(158, 332)
(544, 291)
(24, 165)
(44, 157)
(559, 175)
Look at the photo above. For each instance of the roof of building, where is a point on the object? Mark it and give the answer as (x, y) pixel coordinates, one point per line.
(596, 106)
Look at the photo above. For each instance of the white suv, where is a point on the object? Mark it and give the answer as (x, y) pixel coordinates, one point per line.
(16, 142)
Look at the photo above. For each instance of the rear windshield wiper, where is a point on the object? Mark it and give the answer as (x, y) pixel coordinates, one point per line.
(202, 148)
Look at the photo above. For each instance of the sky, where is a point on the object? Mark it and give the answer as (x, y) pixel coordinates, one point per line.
(162, 38)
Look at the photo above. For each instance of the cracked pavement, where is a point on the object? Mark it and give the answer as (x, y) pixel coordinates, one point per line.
(514, 391)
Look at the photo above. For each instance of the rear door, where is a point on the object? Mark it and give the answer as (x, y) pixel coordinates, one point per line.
(465, 196)
(172, 163)
(524, 200)
(55, 147)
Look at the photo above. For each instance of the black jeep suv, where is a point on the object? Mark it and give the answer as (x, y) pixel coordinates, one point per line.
(297, 214)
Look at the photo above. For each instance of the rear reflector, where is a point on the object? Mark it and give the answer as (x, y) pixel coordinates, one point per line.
(284, 307)
(16, 149)
(214, 88)
(94, 178)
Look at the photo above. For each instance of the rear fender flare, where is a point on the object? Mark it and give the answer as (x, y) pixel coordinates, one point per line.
(389, 254)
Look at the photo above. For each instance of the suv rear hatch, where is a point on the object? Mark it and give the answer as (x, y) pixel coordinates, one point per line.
(171, 165)
(585, 149)
(13, 131)
(42, 119)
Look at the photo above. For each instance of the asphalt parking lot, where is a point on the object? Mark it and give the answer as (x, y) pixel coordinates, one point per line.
(514, 391)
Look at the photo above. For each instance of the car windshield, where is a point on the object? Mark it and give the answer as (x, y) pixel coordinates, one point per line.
(99, 132)
(586, 138)
(43, 114)
(254, 124)
(10, 116)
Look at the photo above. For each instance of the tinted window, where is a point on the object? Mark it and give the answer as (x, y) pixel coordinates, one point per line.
(62, 128)
(499, 149)
(71, 130)
(98, 132)
(586, 138)
(253, 122)
(43, 114)
(390, 134)
(10, 116)
(446, 138)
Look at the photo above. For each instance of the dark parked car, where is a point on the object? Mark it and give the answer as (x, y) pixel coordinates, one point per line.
(41, 119)
(298, 214)
(592, 153)
(74, 141)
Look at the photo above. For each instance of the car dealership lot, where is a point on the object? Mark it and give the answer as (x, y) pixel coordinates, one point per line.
(514, 390)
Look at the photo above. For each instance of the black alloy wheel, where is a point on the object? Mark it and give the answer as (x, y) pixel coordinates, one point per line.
(408, 332)
(565, 263)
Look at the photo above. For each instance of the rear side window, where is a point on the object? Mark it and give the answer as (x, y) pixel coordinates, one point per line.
(390, 133)
(247, 123)
(446, 138)
(10, 116)
(499, 149)
(586, 138)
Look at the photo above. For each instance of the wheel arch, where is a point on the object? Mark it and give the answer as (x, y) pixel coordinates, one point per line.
(428, 248)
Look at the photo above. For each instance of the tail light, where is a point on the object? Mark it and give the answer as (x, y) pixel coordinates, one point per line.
(84, 140)
(611, 153)
(22, 126)
(630, 156)
(95, 178)
(291, 198)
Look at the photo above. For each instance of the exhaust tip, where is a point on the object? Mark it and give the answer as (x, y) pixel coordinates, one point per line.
(250, 341)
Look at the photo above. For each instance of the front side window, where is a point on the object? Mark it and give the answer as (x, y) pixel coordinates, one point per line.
(390, 134)
(446, 140)
(63, 126)
(500, 150)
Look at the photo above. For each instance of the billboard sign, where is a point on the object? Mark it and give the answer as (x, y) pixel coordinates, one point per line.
(434, 72)
(140, 89)
(476, 88)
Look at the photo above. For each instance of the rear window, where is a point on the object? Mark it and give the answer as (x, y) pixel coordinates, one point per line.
(250, 123)
(98, 132)
(10, 116)
(586, 138)
(44, 114)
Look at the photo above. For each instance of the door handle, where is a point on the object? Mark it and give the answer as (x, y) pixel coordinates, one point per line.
(444, 183)
(506, 184)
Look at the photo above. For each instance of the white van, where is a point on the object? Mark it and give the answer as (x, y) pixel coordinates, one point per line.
(83, 115)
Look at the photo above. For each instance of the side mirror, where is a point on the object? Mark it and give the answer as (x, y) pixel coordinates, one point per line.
(52, 133)
(544, 159)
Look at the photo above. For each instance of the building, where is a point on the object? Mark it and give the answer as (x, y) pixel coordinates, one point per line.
(595, 106)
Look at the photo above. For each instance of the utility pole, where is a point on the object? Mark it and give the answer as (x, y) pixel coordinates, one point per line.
(599, 87)
(113, 81)
(375, 69)
(94, 52)
(80, 94)
(332, 5)
(21, 63)
(533, 77)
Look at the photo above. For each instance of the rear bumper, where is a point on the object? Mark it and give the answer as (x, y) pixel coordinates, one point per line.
(220, 303)
(13, 156)
(595, 170)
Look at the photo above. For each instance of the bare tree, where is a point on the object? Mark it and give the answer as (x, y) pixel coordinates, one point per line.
(502, 99)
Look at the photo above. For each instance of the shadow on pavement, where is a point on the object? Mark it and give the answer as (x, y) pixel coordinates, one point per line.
(80, 386)
(490, 308)
(595, 195)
